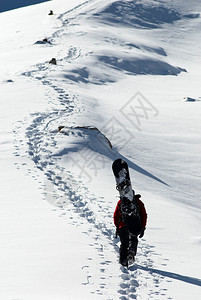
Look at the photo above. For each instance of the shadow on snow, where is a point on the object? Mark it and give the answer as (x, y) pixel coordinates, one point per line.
(187, 279)
(139, 15)
(141, 66)
(88, 143)
(133, 66)
(138, 169)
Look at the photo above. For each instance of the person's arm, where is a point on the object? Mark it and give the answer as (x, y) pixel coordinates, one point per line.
(117, 215)
(143, 215)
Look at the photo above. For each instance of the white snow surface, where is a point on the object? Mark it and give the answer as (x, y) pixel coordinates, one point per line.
(126, 85)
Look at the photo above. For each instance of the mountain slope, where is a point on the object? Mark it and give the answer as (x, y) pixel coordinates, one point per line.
(123, 69)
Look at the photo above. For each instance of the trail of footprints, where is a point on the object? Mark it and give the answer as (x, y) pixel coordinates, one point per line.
(64, 192)
(60, 189)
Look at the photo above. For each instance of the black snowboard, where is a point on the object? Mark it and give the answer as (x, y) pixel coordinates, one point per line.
(122, 177)
(129, 205)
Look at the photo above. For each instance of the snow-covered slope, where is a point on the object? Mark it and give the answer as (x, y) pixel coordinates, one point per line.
(125, 76)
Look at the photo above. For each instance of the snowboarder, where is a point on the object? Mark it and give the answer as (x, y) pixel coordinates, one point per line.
(124, 233)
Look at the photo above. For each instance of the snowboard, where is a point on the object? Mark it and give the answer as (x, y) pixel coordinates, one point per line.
(122, 177)
(129, 206)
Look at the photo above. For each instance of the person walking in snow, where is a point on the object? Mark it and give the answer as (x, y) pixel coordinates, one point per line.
(123, 231)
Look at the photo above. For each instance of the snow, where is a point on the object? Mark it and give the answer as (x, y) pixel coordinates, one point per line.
(126, 85)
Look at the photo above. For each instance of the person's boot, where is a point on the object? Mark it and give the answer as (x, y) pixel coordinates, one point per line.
(123, 257)
(124, 262)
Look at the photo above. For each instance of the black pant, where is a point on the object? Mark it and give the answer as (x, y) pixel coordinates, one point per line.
(124, 238)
